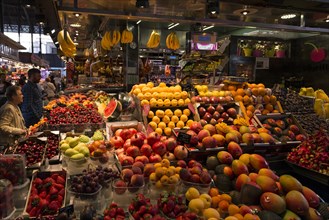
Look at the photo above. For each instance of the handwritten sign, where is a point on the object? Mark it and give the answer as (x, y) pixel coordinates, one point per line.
(183, 138)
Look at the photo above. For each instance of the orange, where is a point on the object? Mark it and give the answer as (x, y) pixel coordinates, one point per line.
(231, 218)
(249, 216)
(269, 107)
(254, 91)
(214, 201)
(226, 197)
(261, 91)
(273, 99)
(223, 205)
(238, 98)
(213, 192)
(246, 100)
(234, 93)
(233, 209)
(250, 108)
(249, 113)
(275, 111)
(231, 88)
(253, 85)
(259, 85)
(266, 99)
(238, 216)
(240, 92)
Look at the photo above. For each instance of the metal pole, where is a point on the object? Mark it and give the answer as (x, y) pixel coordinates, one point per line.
(40, 41)
(31, 31)
(19, 20)
(2, 16)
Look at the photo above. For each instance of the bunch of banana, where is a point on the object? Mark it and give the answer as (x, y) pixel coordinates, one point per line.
(115, 36)
(240, 121)
(106, 42)
(320, 94)
(223, 128)
(172, 41)
(154, 40)
(319, 108)
(126, 37)
(66, 44)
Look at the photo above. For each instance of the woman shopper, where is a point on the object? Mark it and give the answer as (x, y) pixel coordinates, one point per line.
(11, 119)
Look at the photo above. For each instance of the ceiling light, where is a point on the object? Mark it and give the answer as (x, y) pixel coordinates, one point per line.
(77, 14)
(56, 42)
(75, 25)
(206, 28)
(28, 5)
(212, 8)
(172, 26)
(142, 4)
(288, 16)
(139, 21)
(52, 31)
(245, 12)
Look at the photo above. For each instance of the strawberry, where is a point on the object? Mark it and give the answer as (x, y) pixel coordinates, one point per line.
(113, 205)
(120, 217)
(60, 180)
(43, 194)
(35, 200)
(33, 212)
(54, 206)
(37, 181)
(43, 203)
(53, 190)
(54, 176)
(107, 218)
(48, 198)
(48, 182)
(58, 186)
(34, 191)
(60, 199)
(61, 192)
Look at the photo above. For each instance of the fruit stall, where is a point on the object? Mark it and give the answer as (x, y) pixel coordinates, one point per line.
(161, 152)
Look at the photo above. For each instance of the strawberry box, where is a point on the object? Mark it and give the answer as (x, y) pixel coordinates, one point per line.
(47, 194)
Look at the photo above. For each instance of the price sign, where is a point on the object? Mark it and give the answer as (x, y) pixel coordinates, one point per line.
(183, 138)
(146, 109)
(191, 107)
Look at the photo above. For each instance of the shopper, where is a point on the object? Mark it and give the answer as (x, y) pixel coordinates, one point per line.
(49, 89)
(32, 104)
(11, 120)
(4, 84)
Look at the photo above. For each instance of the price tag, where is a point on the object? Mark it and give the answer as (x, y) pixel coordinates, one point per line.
(191, 107)
(146, 109)
(69, 209)
(183, 138)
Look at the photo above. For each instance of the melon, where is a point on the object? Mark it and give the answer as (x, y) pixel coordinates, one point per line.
(113, 109)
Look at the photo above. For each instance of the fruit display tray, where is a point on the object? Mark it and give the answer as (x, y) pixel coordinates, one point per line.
(111, 127)
(44, 134)
(311, 174)
(41, 141)
(43, 175)
(258, 119)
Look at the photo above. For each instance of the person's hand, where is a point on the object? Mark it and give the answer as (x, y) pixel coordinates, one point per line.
(24, 132)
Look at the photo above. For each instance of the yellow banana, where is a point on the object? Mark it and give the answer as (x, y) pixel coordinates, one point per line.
(168, 41)
(115, 37)
(103, 44)
(108, 40)
(320, 94)
(124, 37)
(130, 37)
(63, 42)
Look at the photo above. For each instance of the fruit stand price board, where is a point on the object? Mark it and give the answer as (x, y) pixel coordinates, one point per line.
(311, 174)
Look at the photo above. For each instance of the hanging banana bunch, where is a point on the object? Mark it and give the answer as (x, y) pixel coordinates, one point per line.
(106, 42)
(172, 41)
(66, 44)
(115, 37)
(127, 37)
(154, 40)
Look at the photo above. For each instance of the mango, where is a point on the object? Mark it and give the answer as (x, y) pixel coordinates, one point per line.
(258, 162)
(297, 203)
(250, 194)
(267, 138)
(224, 157)
(269, 173)
(289, 215)
(74, 142)
(267, 184)
(289, 183)
(268, 215)
(313, 214)
(273, 202)
(70, 152)
(239, 167)
(241, 180)
(311, 197)
(245, 158)
(64, 147)
(253, 176)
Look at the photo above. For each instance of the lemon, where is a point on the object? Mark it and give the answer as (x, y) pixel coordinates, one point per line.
(204, 88)
(145, 102)
(183, 118)
(215, 93)
(181, 102)
(177, 95)
(153, 103)
(184, 95)
(198, 87)
(171, 125)
(174, 102)
(156, 165)
(178, 112)
(166, 119)
(174, 119)
(148, 95)
(162, 84)
(170, 95)
(169, 113)
(178, 88)
(137, 91)
(189, 122)
(167, 131)
(160, 102)
(150, 84)
(158, 184)
(150, 114)
(159, 113)
(163, 95)
(155, 95)
(156, 119)
(187, 101)
(166, 102)
(153, 125)
(153, 177)
(162, 125)
(187, 112)
(140, 96)
(172, 89)
(180, 124)
(209, 94)
(146, 89)
(159, 131)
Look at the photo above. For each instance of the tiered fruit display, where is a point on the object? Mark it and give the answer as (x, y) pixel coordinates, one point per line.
(33, 150)
(212, 97)
(66, 44)
(172, 41)
(47, 194)
(312, 153)
(154, 40)
(213, 114)
(141, 208)
(113, 211)
(161, 95)
(52, 146)
(256, 187)
(172, 205)
(283, 128)
(163, 121)
(75, 147)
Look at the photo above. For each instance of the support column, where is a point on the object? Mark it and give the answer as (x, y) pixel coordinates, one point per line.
(2, 16)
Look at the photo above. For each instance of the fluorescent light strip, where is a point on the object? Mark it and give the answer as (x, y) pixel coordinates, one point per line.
(206, 28)
(172, 26)
(139, 21)
(288, 16)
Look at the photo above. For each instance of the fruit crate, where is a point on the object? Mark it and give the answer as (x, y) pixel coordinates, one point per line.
(42, 176)
(284, 126)
(51, 150)
(311, 174)
(111, 127)
(31, 151)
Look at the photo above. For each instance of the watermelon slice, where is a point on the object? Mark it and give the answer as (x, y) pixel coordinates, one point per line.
(113, 109)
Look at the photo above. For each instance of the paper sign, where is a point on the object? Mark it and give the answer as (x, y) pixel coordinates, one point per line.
(183, 138)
